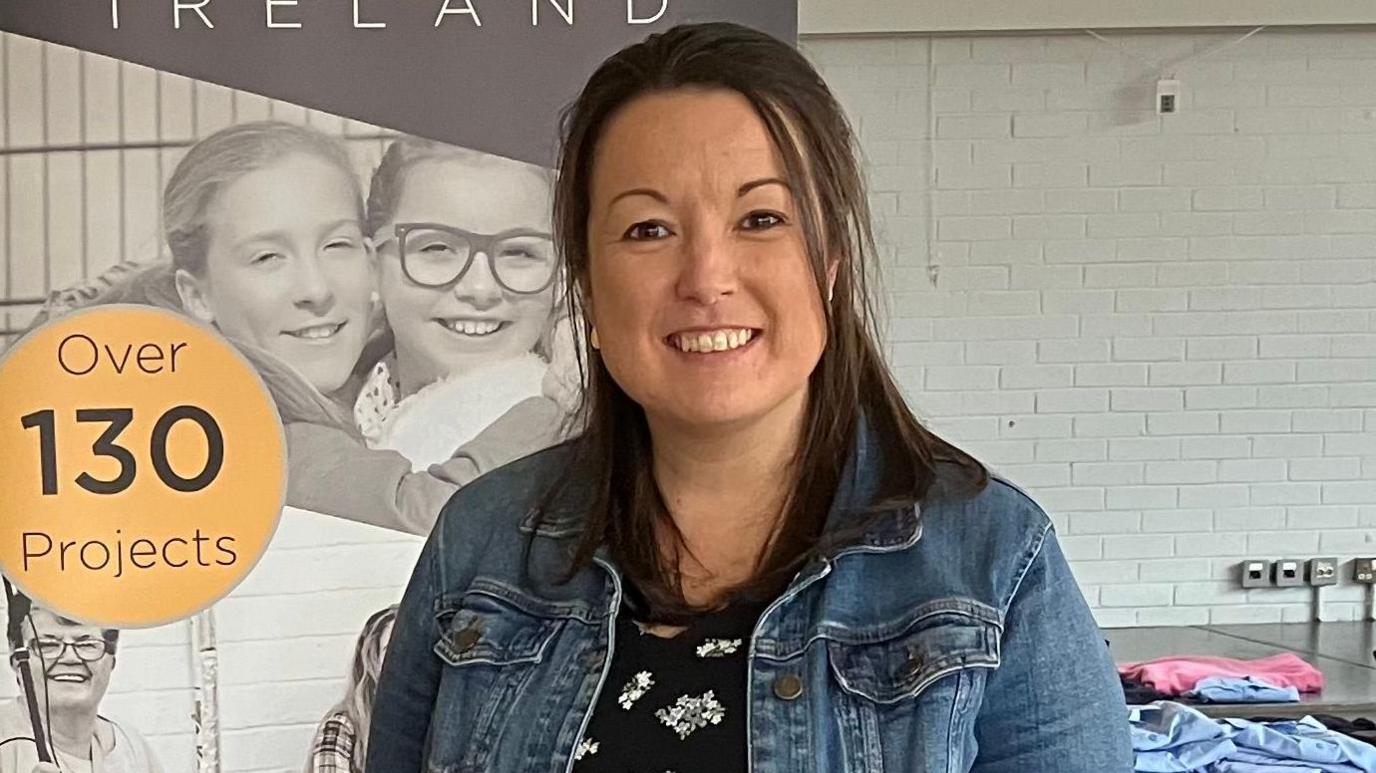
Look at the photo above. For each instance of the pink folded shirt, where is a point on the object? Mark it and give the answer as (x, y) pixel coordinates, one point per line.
(1178, 675)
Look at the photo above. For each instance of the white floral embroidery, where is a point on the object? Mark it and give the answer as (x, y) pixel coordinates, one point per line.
(635, 689)
(716, 648)
(688, 715)
(585, 747)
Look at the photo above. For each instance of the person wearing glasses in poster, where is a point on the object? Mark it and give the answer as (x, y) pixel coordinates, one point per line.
(71, 664)
(467, 275)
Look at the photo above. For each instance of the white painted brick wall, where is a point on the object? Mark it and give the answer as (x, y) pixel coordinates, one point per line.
(1165, 327)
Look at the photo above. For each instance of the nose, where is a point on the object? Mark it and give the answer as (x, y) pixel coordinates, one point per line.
(68, 655)
(708, 269)
(479, 287)
(311, 284)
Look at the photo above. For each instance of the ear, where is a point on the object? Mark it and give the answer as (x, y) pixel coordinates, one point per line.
(193, 296)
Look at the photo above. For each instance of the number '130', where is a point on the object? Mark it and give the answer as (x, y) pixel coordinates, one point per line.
(116, 420)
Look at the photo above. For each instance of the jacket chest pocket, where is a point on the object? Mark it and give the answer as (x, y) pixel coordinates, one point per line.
(490, 647)
(913, 688)
(903, 666)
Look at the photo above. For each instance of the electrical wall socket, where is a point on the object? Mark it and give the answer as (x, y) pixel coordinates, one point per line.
(1322, 571)
(1364, 570)
(1288, 573)
(1256, 573)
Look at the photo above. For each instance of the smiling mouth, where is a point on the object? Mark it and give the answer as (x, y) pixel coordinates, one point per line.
(317, 332)
(474, 328)
(68, 678)
(713, 341)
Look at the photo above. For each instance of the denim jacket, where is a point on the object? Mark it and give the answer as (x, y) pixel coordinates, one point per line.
(950, 637)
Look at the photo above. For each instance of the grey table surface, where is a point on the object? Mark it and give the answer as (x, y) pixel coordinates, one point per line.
(1341, 652)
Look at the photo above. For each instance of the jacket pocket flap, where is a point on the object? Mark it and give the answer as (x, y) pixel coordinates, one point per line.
(485, 629)
(903, 666)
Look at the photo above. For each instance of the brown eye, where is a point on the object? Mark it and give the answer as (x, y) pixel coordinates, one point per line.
(760, 221)
(646, 231)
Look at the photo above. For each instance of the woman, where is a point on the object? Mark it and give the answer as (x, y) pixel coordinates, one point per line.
(70, 665)
(467, 274)
(341, 741)
(754, 557)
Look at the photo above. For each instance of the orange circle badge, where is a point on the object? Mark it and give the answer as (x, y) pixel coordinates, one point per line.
(143, 471)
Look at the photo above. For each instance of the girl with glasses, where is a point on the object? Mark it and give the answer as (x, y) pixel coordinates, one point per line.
(467, 275)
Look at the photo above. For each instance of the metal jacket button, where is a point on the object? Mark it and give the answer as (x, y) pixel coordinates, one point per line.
(788, 687)
(914, 666)
(468, 638)
(915, 662)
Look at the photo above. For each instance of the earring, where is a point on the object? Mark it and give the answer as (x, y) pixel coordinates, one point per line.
(596, 344)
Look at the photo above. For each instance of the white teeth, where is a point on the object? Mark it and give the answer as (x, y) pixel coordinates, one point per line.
(472, 327)
(318, 332)
(716, 341)
(68, 678)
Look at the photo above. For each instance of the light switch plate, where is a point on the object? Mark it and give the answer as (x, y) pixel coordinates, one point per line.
(1256, 573)
(1289, 573)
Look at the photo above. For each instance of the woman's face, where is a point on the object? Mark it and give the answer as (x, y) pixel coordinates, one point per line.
(700, 285)
(66, 683)
(442, 331)
(287, 268)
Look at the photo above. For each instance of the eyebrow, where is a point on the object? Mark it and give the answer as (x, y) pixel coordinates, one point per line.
(652, 193)
(753, 184)
(280, 236)
(741, 191)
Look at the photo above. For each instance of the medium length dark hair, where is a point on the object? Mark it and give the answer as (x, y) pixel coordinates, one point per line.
(817, 147)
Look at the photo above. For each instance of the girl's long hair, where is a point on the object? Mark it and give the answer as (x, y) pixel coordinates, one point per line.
(363, 675)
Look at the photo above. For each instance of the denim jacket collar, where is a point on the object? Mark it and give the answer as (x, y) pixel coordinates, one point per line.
(856, 494)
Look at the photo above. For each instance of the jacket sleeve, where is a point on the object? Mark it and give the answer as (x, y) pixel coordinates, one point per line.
(330, 471)
(1055, 703)
(406, 690)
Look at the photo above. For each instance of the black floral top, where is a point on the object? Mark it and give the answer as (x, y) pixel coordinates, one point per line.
(673, 705)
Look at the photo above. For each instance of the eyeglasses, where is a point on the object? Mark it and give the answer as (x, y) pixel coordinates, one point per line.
(434, 255)
(88, 649)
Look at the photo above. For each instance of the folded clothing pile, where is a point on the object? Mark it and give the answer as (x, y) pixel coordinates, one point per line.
(1170, 737)
(1276, 679)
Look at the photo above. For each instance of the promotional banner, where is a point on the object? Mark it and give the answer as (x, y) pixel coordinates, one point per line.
(276, 279)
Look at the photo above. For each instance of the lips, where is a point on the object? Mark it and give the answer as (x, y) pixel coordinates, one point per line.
(314, 333)
(68, 677)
